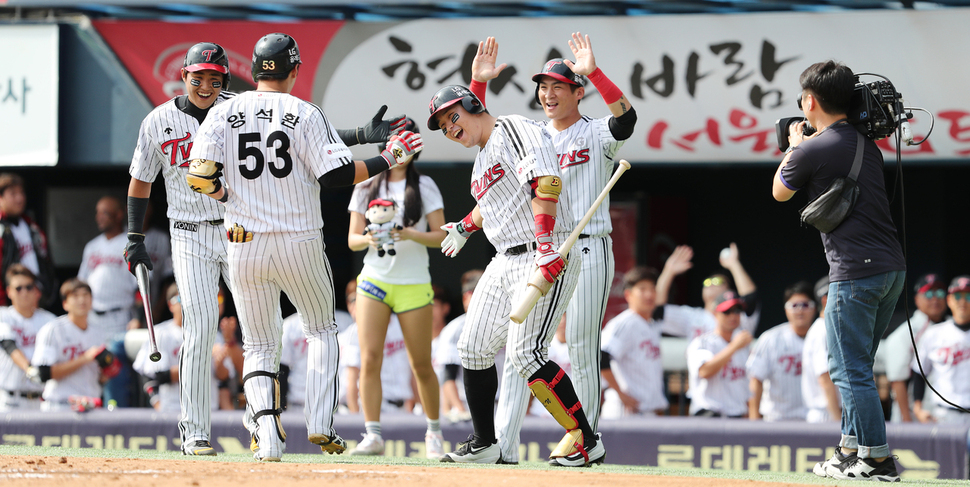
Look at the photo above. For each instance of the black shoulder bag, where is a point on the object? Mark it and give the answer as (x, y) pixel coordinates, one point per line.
(829, 208)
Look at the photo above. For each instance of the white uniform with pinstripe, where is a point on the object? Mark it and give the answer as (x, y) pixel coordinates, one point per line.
(198, 251)
(517, 151)
(16, 391)
(275, 147)
(777, 362)
(586, 150)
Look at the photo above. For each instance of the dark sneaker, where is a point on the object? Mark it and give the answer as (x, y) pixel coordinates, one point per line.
(864, 469)
(199, 447)
(836, 459)
(469, 452)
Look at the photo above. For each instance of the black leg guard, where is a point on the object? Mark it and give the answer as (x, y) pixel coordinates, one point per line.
(277, 407)
(552, 387)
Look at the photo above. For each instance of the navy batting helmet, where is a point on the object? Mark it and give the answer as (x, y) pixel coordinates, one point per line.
(557, 70)
(274, 56)
(207, 55)
(448, 96)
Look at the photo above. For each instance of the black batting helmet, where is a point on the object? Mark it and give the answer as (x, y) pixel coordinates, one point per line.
(557, 70)
(448, 96)
(274, 56)
(207, 55)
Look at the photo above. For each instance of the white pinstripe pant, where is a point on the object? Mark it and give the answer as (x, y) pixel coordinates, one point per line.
(296, 264)
(198, 259)
(584, 321)
(488, 328)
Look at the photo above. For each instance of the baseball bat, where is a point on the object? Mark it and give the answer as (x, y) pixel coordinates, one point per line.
(538, 286)
(141, 273)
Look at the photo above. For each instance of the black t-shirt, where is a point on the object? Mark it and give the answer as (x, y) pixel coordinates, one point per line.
(865, 244)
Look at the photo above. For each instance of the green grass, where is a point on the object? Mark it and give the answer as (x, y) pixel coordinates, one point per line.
(798, 478)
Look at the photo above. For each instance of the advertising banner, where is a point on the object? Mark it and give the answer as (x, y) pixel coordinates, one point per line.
(707, 88)
(28, 95)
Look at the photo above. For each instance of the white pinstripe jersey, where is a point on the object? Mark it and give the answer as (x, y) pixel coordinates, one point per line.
(944, 351)
(634, 344)
(586, 150)
(274, 147)
(23, 332)
(165, 140)
(726, 391)
(104, 268)
(517, 151)
(777, 361)
(60, 341)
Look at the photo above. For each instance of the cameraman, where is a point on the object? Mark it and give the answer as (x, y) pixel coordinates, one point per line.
(866, 266)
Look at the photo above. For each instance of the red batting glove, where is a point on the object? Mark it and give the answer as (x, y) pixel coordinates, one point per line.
(548, 260)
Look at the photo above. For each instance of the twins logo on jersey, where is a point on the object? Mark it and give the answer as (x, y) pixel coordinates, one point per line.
(71, 352)
(177, 148)
(730, 372)
(792, 364)
(26, 340)
(650, 349)
(574, 158)
(481, 185)
(951, 355)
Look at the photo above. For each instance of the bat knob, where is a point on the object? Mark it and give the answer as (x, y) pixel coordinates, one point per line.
(155, 357)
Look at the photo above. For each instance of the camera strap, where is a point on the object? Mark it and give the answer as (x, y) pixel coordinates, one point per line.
(859, 150)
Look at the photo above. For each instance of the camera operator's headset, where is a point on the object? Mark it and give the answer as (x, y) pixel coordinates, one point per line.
(902, 133)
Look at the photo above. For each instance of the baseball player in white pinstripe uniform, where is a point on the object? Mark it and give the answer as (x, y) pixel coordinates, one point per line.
(586, 148)
(198, 243)
(774, 367)
(20, 385)
(277, 150)
(516, 182)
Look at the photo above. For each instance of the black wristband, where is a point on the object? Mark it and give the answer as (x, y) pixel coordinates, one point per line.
(136, 213)
(163, 377)
(376, 165)
(348, 136)
(225, 197)
(45, 372)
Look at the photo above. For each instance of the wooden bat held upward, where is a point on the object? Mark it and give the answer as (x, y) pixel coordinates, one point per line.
(538, 286)
(141, 273)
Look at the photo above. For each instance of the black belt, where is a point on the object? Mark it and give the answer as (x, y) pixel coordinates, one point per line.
(520, 249)
(25, 395)
(583, 235)
(395, 402)
(104, 312)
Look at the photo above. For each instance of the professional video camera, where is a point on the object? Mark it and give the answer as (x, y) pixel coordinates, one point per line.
(876, 110)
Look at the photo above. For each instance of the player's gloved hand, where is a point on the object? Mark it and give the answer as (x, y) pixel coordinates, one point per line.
(151, 390)
(548, 260)
(108, 362)
(401, 148)
(203, 176)
(458, 233)
(136, 252)
(238, 234)
(378, 131)
(33, 374)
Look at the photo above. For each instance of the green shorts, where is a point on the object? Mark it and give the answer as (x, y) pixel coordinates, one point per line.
(399, 297)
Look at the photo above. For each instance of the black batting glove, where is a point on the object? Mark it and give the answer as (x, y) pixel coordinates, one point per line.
(136, 252)
(378, 131)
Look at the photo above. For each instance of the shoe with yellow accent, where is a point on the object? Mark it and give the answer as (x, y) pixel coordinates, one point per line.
(571, 451)
(199, 447)
(328, 444)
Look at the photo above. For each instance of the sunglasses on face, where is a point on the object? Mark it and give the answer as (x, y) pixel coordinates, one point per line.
(961, 296)
(714, 281)
(28, 287)
(175, 300)
(796, 305)
(934, 293)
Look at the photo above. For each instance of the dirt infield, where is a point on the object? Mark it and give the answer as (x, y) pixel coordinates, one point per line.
(28, 471)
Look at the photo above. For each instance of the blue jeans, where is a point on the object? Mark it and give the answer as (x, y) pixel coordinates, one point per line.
(856, 317)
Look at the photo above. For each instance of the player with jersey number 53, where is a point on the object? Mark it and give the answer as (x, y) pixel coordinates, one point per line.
(277, 151)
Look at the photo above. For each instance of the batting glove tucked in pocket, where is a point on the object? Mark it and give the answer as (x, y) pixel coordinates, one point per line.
(238, 234)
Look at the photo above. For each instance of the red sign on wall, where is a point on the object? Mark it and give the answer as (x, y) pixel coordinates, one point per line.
(153, 51)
